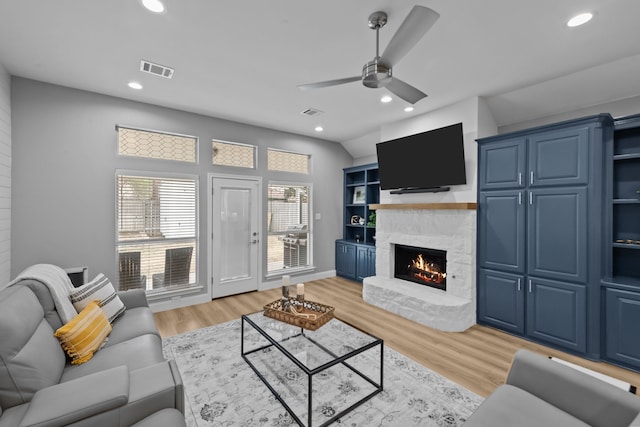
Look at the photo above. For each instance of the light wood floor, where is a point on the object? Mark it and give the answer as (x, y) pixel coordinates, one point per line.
(477, 359)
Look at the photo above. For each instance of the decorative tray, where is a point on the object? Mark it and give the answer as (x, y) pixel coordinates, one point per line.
(304, 314)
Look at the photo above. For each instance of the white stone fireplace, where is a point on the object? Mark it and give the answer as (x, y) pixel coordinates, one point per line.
(446, 227)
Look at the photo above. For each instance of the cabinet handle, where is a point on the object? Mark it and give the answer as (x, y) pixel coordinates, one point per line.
(519, 178)
(530, 198)
(520, 198)
(531, 177)
(518, 285)
(529, 285)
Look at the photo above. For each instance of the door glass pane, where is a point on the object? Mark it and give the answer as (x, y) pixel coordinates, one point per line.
(236, 232)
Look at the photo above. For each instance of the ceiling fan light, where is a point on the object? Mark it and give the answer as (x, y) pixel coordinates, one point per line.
(580, 19)
(155, 6)
(385, 99)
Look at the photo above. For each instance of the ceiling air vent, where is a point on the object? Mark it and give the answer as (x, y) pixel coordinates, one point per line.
(311, 112)
(157, 69)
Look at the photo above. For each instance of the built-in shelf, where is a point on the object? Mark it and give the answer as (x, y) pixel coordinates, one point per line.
(629, 156)
(626, 201)
(434, 206)
(626, 245)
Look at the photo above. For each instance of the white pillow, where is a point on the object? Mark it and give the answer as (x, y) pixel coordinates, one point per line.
(98, 289)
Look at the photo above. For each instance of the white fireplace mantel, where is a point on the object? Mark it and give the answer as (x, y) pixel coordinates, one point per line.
(450, 228)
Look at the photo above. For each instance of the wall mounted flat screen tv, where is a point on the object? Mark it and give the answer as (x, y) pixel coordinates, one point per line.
(426, 161)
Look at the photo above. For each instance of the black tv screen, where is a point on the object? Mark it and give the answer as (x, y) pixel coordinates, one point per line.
(422, 161)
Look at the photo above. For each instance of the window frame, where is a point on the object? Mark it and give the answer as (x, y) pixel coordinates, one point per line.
(310, 230)
(152, 294)
(309, 162)
(184, 162)
(242, 144)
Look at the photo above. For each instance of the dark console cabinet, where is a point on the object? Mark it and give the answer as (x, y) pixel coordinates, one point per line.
(540, 195)
(356, 251)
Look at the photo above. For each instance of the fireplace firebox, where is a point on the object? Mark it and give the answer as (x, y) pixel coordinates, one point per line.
(424, 266)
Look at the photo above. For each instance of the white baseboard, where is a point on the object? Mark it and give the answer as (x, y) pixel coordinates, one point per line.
(187, 300)
(178, 301)
(277, 282)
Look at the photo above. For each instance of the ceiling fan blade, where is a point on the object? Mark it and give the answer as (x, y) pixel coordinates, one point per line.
(412, 29)
(328, 83)
(405, 91)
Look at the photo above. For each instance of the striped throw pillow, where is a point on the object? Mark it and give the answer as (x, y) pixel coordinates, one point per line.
(84, 334)
(101, 289)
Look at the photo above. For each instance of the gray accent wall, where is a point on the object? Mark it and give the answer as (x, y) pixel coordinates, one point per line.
(64, 163)
(5, 175)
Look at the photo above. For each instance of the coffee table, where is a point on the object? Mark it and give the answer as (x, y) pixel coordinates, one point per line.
(317, 376)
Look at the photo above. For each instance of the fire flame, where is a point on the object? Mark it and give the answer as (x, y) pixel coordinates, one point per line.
(427, 271)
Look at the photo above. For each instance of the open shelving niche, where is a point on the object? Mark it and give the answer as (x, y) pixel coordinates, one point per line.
(624, 265)
(365, 179)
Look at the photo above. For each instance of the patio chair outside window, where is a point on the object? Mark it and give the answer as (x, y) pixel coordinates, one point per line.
(177, 265)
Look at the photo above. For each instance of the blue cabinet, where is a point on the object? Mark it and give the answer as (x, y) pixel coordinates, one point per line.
(355, 252)
(365, 262)
(501, 222)
(557, 233)
(355, 261)
(503, 164)
(501, 300)
(622, 339)
(557, 313)
(346, 259)
(559, 157)
(539, 243)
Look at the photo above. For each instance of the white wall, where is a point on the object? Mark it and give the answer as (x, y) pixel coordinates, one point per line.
(477, 121)
(5, 175)
(619, 108)
(65, 157)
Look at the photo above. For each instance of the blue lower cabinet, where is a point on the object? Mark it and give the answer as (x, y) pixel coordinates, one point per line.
(557, 313)
(346, 260)
(622, 334)
(501, 300)
(355, 261)
(366, 262)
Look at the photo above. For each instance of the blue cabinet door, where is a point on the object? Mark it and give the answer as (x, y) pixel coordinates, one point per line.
(557, 233)
(346, 260)
(622, 335)
(501, 230)
(502, 164)
(559, 157)
(501, 300)
(366, 262)
(557, 313)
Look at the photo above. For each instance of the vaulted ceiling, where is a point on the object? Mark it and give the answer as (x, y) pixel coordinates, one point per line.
(242, 59)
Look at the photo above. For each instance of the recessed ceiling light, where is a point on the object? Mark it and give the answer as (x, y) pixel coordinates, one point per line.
(386, 99)
(408, 109)
(580, 19)
(135, 85)
(154, 6)
(319, 128)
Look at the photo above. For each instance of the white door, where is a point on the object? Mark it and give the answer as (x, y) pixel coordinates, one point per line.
(235, 238)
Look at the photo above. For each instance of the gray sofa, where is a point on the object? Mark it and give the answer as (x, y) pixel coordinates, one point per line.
(127, 382)
(541, 392)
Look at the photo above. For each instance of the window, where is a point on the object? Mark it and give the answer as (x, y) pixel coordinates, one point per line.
(289, 236)
(233, 154)
(284, 161)
(156, 232)
(156, 145)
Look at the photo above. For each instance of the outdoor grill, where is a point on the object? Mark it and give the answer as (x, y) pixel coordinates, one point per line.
(295, 246)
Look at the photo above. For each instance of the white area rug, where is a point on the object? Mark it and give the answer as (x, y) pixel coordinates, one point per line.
(222, 390)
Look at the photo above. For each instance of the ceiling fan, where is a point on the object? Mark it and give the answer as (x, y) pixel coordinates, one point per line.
(378, 72)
